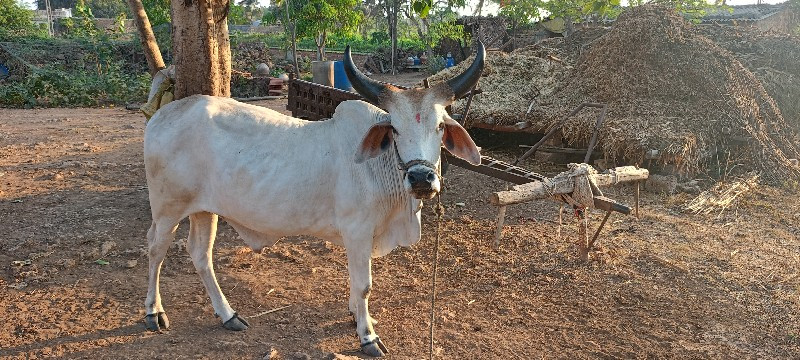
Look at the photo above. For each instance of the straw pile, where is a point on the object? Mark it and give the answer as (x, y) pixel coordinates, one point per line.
(510, 83)
(771, 57)
(667, 88)
(722, 196)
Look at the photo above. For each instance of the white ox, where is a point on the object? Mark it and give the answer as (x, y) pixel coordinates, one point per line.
(355, 180)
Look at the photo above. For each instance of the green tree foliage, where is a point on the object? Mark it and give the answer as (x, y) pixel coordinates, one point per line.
(237, 15)
(522, 11)
(108, 8)
(526, 11)
(318, 19)
(158, 11)
(16, 21)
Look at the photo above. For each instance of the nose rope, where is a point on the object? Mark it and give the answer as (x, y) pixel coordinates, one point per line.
(405, 165)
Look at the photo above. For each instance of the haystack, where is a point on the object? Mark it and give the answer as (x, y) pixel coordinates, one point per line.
(667, 87)
(772, 57)
(510, 83)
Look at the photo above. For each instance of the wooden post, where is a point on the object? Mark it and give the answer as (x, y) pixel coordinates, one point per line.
(501, 218)
(636, 198)
(582, 243)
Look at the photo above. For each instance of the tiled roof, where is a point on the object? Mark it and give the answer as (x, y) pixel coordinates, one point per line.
(742, 13)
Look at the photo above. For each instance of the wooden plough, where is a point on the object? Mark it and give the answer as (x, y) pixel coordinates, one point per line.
(580, 187)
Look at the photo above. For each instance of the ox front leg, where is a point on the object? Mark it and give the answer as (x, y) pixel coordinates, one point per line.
(359, 265)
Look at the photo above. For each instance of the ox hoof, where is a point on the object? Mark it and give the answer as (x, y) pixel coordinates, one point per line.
(374, 348)
(156, 322)
(236, 323)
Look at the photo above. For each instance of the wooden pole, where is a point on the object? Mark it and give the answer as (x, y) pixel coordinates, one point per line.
(501, 218)
(636, 198)
(583, 237)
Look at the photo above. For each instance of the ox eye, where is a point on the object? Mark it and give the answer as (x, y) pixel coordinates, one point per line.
(394, 131)
(441, 126)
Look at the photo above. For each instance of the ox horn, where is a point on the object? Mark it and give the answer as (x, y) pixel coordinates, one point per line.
(366, 87)
(465, 81)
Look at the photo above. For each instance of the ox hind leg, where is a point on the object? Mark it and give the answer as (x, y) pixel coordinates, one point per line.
(159, 238)
(359, 266)
(202, 232)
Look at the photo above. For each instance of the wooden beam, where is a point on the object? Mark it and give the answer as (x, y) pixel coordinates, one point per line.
(565, 185)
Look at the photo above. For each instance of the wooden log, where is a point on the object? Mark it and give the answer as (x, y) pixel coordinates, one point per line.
(564, 185)
(622, 174)
(531, 191)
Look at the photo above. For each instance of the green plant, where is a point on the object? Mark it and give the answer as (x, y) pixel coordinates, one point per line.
(108, 8)
(82, 24)
(51, 87)
(16, 21)
(237, 15)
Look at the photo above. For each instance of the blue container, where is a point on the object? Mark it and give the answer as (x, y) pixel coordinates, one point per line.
(340, 80)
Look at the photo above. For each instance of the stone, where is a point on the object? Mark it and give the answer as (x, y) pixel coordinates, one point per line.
(107, 247)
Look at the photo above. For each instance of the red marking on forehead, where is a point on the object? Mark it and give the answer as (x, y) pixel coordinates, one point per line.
(417, 118)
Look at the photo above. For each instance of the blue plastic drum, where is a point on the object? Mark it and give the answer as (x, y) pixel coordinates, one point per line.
(340, 80)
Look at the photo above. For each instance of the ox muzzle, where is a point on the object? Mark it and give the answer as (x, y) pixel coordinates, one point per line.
(421, 179)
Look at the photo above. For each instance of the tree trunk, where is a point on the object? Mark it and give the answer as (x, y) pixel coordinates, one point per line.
(149, 44)
(320, 41)
(292, 26)
(423, 34)
(394, 8)
(479, 8)
(202, 47)
(428, 45)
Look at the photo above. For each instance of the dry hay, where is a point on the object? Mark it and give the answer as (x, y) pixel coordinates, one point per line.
(667, 88)
(773, 59)
(509, 83)
(672, 90)
(722, 196)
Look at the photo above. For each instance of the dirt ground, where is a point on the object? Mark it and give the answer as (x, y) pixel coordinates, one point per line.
(74, 208)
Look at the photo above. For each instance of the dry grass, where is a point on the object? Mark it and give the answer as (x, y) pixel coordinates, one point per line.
(722, 196)
(667, 86)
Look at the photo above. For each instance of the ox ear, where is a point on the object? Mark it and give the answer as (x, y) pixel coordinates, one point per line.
(459, 143)
(378, 139)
